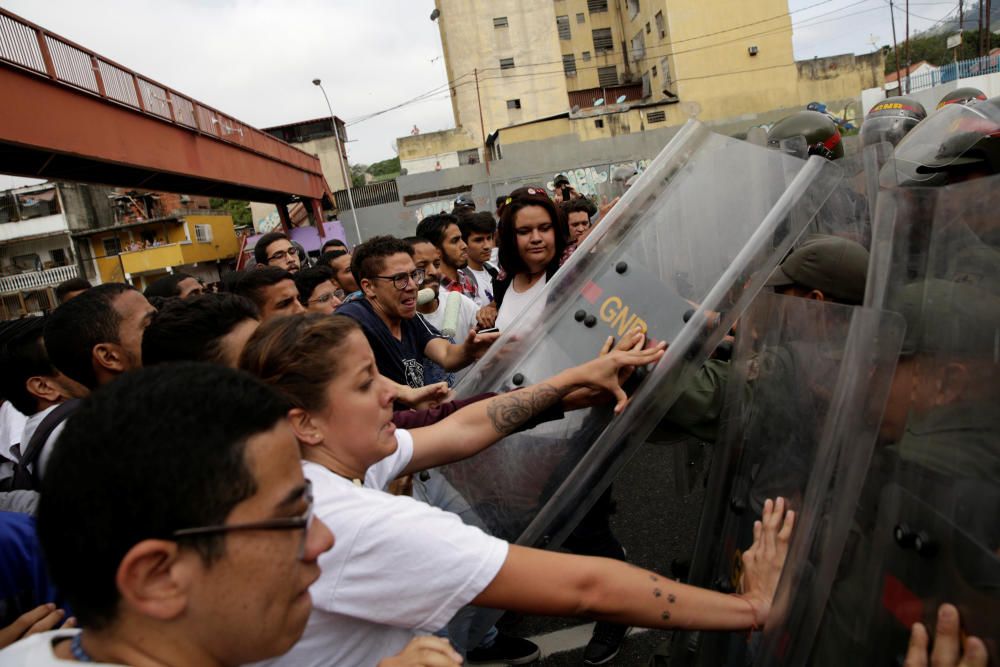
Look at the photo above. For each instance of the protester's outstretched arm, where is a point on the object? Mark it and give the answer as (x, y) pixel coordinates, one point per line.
(424, 652)
(948, 649)
(477, 426)
(544, 582)
(455, 357)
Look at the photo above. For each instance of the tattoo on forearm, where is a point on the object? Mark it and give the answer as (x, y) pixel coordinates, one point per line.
(665, 616)
(671, 598)
(511, 411)
(657, 592)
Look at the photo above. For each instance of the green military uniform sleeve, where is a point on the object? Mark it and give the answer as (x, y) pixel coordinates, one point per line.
(699, 406)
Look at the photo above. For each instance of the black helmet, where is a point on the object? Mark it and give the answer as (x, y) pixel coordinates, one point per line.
(560, 181)
(817, 129)
(891, 119)
(464, 201)
(962, 96)
(955, 143)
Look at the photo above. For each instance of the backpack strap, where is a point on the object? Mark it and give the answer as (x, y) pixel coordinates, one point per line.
(37, 442)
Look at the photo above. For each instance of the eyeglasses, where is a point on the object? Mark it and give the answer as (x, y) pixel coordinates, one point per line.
(283, 254)
(338, 294)
(302, 522)
(401, 280)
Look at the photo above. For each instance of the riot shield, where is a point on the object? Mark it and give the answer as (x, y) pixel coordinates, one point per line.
(789, 357)
(922, 527)
(938, 144)
(681, 255)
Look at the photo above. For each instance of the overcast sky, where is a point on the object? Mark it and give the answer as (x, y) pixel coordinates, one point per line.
(255, 59)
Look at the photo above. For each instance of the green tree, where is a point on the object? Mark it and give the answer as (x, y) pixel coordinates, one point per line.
(239, 210)
(385, 168)
(358, 174)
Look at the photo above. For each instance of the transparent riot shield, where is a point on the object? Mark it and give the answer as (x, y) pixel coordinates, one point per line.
(938, 144)
(788, 359)
(681, 255)
(920, 524)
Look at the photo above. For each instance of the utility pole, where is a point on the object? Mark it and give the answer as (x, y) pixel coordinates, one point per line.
(981, 8)
(482, 125)
(986, 37)
(907, 47)
(895, 47)
(340, 158)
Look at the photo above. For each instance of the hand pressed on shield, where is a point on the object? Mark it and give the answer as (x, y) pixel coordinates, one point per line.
(424, 652)
(633, 340)
(40, 619)
(948, 650)
(603, 374)
(765, 559)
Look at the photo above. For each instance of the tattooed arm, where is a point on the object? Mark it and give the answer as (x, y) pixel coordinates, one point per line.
(477, 426)
(533, 581)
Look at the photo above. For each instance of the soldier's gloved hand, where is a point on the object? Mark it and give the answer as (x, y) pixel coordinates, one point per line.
(764, 560)
(948, 650)
(425, 652)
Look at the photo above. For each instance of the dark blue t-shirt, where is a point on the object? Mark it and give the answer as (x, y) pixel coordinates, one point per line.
(24, 583)
(400, 360)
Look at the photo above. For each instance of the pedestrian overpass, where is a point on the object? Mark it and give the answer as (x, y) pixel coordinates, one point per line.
(68, 113)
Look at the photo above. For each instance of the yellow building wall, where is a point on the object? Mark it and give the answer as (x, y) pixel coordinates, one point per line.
(582, 41)
(177, 251)
(471, 42)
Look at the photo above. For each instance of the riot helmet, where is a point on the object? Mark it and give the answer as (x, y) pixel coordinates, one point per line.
(819, 131)
(955, 143)
(464, 202)
(891, 119)
(966, 95)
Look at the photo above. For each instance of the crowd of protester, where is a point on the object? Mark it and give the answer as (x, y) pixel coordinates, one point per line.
(196, 478)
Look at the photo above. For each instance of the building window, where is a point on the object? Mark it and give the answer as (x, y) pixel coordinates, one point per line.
(586, 55)
(638, 46)
(595, 6)
(633, 8)
(653, 70)
(506, 63)
(562, 25)
(580, 18)
(648, 29)
(603, 41)
(599, 122)
(661, 25)
(58, 256)
(647, 85)
(514, 104)
(569, 64)
(112, 246)
(203, 233)
(500, 22)
(656, 116)
(665, 69)
(607, 76)
(470, 156)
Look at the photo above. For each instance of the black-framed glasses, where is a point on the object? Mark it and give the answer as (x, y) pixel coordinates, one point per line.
(401, 280)
(301, 522)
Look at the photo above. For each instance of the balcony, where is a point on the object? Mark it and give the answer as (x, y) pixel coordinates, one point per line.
(34, 280)
(32, 228)
(158, 258)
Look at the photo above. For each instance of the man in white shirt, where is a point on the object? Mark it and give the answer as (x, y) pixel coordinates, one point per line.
(478, 232)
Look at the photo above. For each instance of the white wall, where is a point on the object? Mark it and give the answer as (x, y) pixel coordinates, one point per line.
(425, 164)
(49, 224)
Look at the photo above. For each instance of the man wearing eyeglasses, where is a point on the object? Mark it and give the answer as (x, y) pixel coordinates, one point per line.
(181, 541)
(401, 340)
(274, 249)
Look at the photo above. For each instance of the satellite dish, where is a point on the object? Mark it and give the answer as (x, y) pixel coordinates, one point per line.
(599, 101)
(436, 13)
(621, 98)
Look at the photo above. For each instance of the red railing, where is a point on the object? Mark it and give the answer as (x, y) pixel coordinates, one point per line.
(30, 47)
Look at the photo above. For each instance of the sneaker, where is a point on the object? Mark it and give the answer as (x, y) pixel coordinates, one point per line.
(604, 643)
(505, 648)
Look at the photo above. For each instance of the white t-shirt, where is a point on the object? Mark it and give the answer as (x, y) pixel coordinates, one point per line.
(515, 305)
(36, 651)
(467, 311)
(11, 426)
(398, 566)
(484, 286)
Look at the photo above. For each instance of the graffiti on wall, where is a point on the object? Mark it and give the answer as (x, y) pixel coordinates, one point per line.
(598, 180)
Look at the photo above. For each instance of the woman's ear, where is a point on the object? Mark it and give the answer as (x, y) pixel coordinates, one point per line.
(306, 430)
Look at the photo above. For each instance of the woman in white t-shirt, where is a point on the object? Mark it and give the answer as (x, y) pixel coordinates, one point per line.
(532, 241)
(400, 566)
